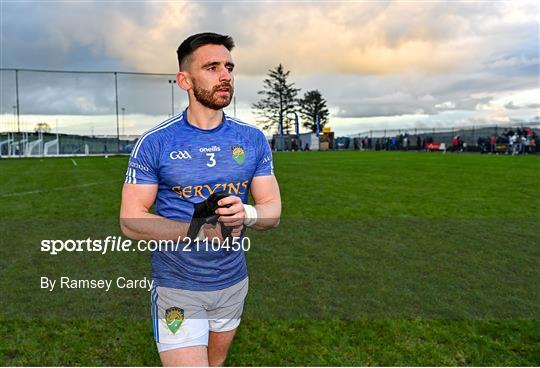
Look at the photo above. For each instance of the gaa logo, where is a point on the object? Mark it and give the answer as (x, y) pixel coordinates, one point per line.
(180, 155)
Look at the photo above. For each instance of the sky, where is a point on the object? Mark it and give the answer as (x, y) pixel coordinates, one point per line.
(378, 64)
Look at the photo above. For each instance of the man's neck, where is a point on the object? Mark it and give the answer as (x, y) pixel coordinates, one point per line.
(203, 117)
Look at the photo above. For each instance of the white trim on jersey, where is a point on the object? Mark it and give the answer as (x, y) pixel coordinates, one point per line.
(163, 125)
(131, 176)
(239, 122)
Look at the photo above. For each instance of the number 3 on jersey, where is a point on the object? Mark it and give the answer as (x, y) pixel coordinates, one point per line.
(211, 160)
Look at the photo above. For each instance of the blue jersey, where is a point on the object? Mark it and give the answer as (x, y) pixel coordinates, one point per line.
(189, 164)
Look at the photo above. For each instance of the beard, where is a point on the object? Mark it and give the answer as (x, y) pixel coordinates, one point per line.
(210, 98)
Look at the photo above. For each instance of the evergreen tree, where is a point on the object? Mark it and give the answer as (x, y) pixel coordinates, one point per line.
(278, 96)
(312, 104)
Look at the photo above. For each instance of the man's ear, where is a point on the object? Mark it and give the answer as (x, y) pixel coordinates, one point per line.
(183, 80)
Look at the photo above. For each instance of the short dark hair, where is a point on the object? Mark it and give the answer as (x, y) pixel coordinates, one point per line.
(192, 43)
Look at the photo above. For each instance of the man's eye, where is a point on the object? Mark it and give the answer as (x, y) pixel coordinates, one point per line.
(230, 69)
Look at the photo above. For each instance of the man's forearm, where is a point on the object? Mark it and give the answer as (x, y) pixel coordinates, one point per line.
(268, 215)
(148, 226)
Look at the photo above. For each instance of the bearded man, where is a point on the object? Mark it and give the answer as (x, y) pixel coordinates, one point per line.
(197, 169)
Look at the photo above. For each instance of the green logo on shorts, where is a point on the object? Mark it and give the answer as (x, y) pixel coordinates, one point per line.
(174, 317)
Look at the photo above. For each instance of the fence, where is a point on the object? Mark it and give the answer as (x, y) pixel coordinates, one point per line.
(416, 138)
(27, 144)
(103, 112)
(86, 103)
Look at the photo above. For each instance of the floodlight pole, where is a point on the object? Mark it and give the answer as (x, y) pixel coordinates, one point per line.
(172, 82)
(123, 121)
(117, 120)
(57, 140)
(14, 117)
(17, 94)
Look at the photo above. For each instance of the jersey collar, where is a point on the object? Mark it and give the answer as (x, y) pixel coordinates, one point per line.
(191, 126)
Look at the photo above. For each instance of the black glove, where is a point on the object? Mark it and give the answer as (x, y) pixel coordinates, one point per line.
(205, 213)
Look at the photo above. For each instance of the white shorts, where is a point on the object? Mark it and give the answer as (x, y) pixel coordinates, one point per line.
(183, 318)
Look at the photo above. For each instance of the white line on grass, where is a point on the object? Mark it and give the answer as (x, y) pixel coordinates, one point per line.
(74, 162)
(60, 188)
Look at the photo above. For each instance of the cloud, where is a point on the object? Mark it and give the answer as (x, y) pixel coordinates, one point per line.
(356, 38)
(514, 62)
(368, 59)
(447, 105)
(511, 106)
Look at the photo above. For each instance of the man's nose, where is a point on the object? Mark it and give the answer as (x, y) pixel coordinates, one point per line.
(225, 75)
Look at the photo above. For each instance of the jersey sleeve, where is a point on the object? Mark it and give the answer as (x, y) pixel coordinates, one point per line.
(265, 165)
(143, 163)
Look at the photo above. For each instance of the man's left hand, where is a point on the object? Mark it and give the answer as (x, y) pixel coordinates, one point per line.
(234, 215)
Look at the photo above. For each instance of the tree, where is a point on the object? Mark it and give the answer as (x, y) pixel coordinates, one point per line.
(279, 96)
(42, 127)
(312, 104)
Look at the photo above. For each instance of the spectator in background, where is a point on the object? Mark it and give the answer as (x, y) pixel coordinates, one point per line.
(481, 142)
(513, 144)
(294, 145)
(510, 133)
(493, 143)
(524, 143)
(455, 143)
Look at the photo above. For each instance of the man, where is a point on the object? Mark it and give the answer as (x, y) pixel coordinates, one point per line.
(199, 293)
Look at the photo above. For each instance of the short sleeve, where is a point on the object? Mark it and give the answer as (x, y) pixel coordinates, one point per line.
(143, 163)
(265, 165)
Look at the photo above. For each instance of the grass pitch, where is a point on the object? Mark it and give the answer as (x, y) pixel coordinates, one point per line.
(381, 259)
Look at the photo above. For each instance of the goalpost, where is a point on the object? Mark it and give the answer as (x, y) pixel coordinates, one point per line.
(37, 143)
(52, 145)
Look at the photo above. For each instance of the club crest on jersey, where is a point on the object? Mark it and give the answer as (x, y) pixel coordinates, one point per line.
(174, 317)
(238, 154)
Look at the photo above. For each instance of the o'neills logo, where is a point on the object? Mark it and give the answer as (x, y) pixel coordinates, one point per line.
(138, 166)
(205, 191)
(210, 149)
